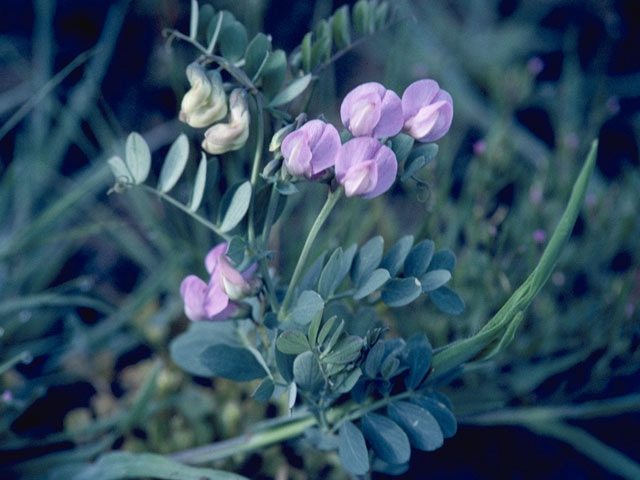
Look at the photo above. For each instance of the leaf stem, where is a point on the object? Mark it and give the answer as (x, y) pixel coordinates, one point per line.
(332, 200)
(255, 169)
(214, 228)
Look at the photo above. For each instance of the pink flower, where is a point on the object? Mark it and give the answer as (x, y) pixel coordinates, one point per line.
(365, 167)
(539, 236)
(215, 300)
(371, 110)
(427, 110)
(311, 149)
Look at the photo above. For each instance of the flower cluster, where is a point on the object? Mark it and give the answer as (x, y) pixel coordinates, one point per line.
(217, 299)
(370, 112)
(206, 103)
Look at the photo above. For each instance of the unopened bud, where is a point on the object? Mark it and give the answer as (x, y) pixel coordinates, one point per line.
(226, 137)
(205, 103)
(277, 138)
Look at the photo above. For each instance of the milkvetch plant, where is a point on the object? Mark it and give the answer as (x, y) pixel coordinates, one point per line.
(318, 336)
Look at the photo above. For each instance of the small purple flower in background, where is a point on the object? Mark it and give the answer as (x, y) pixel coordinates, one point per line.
(311, 149)
(427, 110)
(539, 236)
(371, 110)
(365, 167)
(535, 65)
(535, 195)
(479, 147)
(214, 300)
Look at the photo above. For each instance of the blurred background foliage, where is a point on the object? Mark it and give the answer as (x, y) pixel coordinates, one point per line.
(89, 281)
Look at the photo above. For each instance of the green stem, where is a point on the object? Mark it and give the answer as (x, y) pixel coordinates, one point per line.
(332, 200)
(214, 228)
(245, 443)
(255, 170)
(465, 350)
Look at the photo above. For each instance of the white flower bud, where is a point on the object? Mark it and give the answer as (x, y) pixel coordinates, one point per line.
(226, 137)
(205, 103)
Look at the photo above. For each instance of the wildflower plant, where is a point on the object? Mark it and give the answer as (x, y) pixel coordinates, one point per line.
(320, 336)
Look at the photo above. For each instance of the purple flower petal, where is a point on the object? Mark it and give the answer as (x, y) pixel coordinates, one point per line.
(325, 149)
(417, 95)
(193, 292)
(387, 169)
(427, 110)
(211, 260)
(216, 300)
(361, 178)
(297, 154)
(391, 117)
(354, 151)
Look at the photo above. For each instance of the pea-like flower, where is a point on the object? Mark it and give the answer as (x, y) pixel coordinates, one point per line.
(371, 110)
(226, 137)
(205, 103)
(216, 300)
(365, 167)
(427, 110)
(311, 149)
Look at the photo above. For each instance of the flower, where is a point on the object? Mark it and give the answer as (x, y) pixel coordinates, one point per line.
(226, 137)
(311, 149)
(371, 110)
(365, 167)
(216, 300)
(427, 110)
(205, 103)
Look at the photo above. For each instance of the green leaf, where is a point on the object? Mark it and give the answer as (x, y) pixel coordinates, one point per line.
(381, 15)
(346, 351)
(419, 158)
(119, 169)
(292, 395)
(341, 26)
(443, 259)
(307, 372)
(418, 355)
(434, 279)
(264, 391)
(374, 360)
(334, 336)
(375, 281)
(329, 278)
(284, 363)
(233, 363)
(294, 89)
(124, 465)
(305, 51)
(419, 258)
(367, 259)
(310, 278)
(441, 413)
(221, 20)
(314, 328)
(401, 291)
(186, 348)
(273, 73)
(395, 257)
(422, 429)
(352, 449)
(362, 15)
(350, 379)
(257, 52)
(233, 41)
(236, 250)
(321, 50)
(138, 157)
(401, 145)
(447, 301)
(292, 342)
(234, 205)
(386, 438)
(326, 328)
(307, 307)
(198, 186)
(174, 164)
